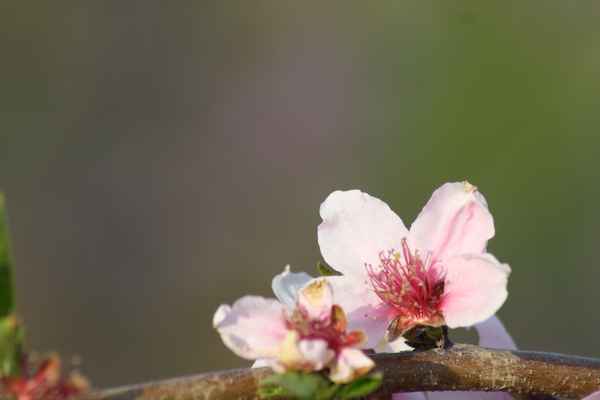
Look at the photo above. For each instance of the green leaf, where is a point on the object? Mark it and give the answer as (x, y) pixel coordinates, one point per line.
(327, 393)
(7, 300)
(326, 270)
(11, 332)
(361, 387)
(293, 384)
(11, 343)
(270, 391)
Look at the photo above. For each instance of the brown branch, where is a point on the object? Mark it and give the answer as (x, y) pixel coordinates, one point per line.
(462, 367)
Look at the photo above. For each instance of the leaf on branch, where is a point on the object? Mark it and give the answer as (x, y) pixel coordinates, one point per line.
(326, 270)
(315, 386)
(11, 332)
(293, 384)
(7, 301)
(11, 346)
(361, 387)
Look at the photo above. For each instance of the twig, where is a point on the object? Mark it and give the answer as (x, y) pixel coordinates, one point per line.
(462, 367)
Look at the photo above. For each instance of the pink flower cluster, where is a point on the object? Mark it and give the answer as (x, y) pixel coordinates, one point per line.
(308, 335)
(44, 382)
(436, 273)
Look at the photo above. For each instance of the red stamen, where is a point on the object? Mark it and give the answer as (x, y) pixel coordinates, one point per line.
(332, 330)
(411, 286)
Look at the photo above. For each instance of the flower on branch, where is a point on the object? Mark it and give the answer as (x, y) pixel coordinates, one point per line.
(310, 336)
(44, 382)
(437, 273)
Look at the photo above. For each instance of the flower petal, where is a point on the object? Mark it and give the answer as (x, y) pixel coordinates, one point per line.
(286, 285)
(593, 396)
(394, 346)
(363, 308)
(475, 289)
(409, 396)
(468, 396)
(262, 362)
(350, 364)
(355, 228)
(316, 299)
(316, 352)
(493, 334)
(456, 220)
(289, 356)
(253, 327)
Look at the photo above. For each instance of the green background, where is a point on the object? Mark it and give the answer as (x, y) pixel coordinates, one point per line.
(161, 158)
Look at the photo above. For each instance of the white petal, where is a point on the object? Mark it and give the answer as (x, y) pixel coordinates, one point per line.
(493, 334)
(475, 289)
(286, 285)
(289, 356)
(363, 308)
(455, 221)
(272, 363)
(593, 396)
(396, 346)
(316, 352)
(355, 228)
(261, 362)
(316, 299)
(253, 327)
(350, 364)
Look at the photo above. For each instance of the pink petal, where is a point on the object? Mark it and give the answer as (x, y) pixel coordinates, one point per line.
(468, 396)
(593, 396)
(261, 362)
(454, 221)
(363, 308)
(287, 284)
(355, 228)
(475, 289)
(409, 396)
(253, 327)
(316, 352)
(350, 364)
(395, 346)
(316, 299)
(493, 334)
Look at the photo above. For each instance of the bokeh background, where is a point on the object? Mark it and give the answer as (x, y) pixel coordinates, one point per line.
(161, 158)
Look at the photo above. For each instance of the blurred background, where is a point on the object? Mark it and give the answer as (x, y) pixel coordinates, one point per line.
(161, 158)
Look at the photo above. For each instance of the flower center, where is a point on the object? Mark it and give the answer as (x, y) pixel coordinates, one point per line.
(332, 330)
(411, 285)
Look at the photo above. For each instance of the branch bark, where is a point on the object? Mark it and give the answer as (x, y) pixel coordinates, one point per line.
(462, 367)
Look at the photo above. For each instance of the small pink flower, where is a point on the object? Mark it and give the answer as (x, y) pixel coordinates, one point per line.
(309, 336)
(437, 273)
(44, 383)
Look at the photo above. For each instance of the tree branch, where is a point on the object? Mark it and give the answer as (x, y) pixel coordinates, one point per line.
(462, 367)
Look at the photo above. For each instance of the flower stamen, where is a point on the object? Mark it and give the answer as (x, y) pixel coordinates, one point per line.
(413, 286)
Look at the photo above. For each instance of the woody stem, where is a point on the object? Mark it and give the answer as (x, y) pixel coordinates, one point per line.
(461, 367)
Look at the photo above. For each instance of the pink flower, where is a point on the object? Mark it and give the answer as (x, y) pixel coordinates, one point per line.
(309, 336)
(44, 382)
(437, 273)
(492, 334)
